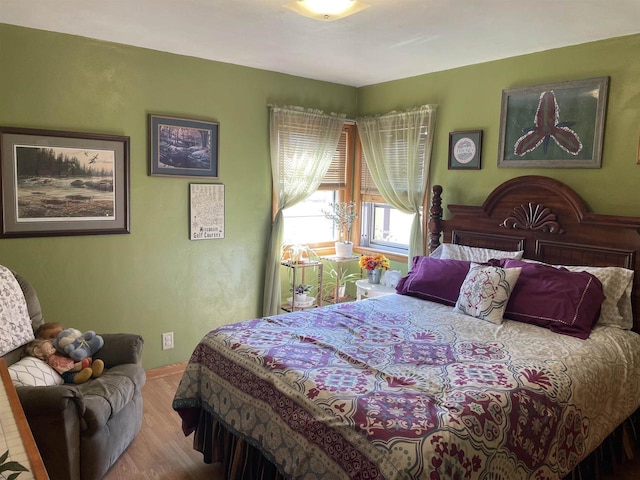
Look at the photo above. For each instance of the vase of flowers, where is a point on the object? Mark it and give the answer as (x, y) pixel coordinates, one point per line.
(374, 265)
(343, 214)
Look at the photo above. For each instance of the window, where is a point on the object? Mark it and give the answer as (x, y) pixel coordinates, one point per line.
(305, 222)
(382, 226)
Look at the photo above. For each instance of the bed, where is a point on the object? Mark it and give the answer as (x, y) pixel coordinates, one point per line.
(433, 383)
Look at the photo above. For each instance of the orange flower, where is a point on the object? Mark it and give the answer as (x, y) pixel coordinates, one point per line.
(371, 262)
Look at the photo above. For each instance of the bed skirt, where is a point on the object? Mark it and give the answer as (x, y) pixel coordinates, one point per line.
(243, 461)
(613, 452)
(240, 460)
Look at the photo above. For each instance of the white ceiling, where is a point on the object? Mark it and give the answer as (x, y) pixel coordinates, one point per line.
(391, 39)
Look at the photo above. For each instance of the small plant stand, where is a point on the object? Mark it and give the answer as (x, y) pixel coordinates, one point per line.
(298, 273)
(340, 265)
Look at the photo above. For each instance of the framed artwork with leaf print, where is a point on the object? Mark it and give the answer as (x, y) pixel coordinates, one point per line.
(557, 125)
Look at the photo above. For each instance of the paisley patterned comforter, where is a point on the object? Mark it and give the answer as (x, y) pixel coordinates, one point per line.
(399, 388)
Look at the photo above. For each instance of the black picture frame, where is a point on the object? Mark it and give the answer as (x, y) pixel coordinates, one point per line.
(557, 125)
(465, 150)
(183, 147)
(58, 183)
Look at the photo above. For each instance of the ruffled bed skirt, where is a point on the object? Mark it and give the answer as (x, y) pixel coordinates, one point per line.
(243, 461)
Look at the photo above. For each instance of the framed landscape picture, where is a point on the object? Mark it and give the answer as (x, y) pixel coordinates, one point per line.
(558, 125)
(183, 147)
(465, 150)
(63, 183)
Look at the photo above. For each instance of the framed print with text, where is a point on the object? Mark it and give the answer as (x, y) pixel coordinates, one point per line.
(206, 211)
(465, 150)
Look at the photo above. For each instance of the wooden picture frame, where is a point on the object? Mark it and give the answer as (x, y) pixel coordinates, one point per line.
(558, 125)
(57, 183)
(465, 150)
(183, 147)
(638, 151)
(206, 211)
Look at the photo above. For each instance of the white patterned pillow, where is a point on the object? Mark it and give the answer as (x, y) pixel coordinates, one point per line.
(617, 284)
(33, 372)
(451, 251)
(15, 324)
(486, 290)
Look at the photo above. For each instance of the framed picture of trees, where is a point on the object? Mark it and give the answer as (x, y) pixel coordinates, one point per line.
(63, 183)
(183, 147)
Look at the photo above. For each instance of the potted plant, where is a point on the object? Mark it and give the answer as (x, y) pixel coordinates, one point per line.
(336, 287)
(374, 265)
(300, 292)
(343, 214)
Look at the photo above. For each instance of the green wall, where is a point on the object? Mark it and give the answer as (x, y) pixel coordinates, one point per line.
(469, 98)
(155, 279)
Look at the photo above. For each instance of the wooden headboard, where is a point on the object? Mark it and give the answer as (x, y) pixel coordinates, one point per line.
(549, 221)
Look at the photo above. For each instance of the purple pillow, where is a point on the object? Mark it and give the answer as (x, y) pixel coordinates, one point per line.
(564, 302)
(434, 279)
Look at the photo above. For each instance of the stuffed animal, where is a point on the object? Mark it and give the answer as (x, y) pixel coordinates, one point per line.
(65, 337)
(70, 370)
(77, 345)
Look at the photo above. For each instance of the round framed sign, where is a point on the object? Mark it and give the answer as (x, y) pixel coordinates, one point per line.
(465, 149)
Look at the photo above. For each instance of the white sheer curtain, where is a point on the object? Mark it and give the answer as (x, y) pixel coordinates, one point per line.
(397, 150)
(303, 143)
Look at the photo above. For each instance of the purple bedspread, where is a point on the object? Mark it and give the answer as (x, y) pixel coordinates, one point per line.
(400, 388)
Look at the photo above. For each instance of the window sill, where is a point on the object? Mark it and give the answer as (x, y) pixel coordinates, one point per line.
(396, 257)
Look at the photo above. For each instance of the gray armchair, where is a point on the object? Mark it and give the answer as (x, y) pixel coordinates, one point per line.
(81, 430)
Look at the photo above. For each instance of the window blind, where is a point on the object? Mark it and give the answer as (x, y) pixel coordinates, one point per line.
(396, 154)
(336, 176)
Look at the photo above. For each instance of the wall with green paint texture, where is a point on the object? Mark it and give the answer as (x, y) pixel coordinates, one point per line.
(469, 98)
(155, 279)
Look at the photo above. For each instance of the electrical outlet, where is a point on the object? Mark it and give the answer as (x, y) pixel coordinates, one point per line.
(167, 340)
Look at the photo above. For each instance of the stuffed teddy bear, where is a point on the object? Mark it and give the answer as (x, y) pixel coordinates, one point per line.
(77, 345)
(64, 337)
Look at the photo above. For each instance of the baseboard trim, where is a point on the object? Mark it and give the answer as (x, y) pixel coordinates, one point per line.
(165, 371)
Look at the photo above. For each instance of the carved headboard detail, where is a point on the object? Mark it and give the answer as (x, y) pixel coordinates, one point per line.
(548, 220)
(533, 216)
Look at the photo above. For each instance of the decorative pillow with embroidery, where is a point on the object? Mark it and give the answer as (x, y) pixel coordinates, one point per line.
(33, 372)
(452, 251)
(486, 290)
(15, 324)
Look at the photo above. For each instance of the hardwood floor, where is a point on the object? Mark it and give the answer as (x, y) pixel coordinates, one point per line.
(162, 452)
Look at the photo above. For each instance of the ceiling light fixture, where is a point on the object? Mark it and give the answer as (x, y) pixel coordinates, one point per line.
(326, 10)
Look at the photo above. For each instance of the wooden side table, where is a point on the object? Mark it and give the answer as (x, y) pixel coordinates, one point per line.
(370, 290)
